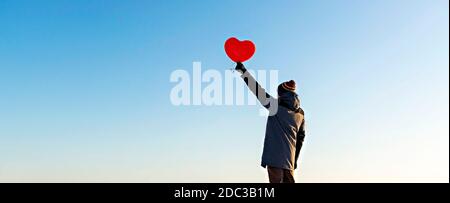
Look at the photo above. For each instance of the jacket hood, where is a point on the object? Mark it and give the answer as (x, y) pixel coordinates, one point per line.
(289, 100)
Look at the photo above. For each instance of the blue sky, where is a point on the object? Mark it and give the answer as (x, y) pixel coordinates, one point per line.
(84, 89)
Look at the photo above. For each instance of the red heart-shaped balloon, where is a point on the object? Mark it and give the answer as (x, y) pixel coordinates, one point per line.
(239, 51)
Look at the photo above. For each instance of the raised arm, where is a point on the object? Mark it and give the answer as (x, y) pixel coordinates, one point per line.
(263, 97)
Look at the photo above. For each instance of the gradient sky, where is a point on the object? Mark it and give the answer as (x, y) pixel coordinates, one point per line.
(84, 89)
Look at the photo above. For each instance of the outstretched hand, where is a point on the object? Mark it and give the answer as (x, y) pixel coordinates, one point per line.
(240, 67)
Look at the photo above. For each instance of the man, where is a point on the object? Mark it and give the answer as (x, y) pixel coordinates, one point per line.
(285, 129)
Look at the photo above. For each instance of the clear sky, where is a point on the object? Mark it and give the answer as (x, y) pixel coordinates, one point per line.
(84, 89)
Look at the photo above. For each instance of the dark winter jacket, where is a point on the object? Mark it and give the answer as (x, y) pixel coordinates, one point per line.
(285, 129)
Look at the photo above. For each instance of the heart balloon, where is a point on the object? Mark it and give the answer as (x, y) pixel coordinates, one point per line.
(239, 51)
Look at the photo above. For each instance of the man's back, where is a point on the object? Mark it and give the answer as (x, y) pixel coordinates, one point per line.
(281, 138)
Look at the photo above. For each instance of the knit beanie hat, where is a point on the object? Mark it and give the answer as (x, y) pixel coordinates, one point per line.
(286, 86)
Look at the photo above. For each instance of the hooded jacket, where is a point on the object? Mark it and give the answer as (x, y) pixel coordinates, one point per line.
(285, 128)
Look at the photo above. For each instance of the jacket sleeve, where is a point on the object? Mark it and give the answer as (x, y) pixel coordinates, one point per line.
(299, 142)
(263, 97)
